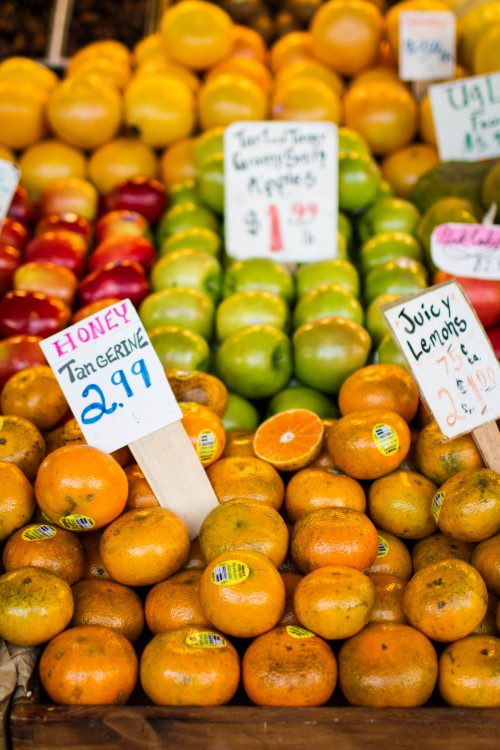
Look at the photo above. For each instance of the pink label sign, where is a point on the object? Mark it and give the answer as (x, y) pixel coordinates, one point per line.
(470, 250)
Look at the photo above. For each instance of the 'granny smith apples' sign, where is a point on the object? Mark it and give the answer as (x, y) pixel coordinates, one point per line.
(449, 356)
(9, 178)
(470, 250)
(426, 45)
(466, 115)
(281, 198)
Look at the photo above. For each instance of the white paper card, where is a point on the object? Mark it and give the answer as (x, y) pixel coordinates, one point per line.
(471, 250)
(466, 115)
(281, 190)
(9, 179)
(449, 355)
(427, 45)
(112, 377)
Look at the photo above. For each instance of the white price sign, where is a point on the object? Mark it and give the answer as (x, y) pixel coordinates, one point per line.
(471, 250)
(112, 377)
(466, 115)
(9, 179)
(281, 198)
(449, 355)
(427, 45)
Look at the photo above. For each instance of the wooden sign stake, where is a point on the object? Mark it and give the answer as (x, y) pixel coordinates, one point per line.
(176, 476)
(487, 439)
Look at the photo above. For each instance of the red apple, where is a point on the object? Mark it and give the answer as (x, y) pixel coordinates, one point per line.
(17, 353)
(48, 278)
(10, 259)
(121, 280)
(21, 208)
(70, 195)
(62, 247)
(144, 195)
(32, 314)
(120, 222)
(92, 308)
(483, 295)
(69, 222)
(13, 233)
(123, 247)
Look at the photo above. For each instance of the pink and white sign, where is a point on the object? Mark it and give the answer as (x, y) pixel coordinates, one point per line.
(470, 250)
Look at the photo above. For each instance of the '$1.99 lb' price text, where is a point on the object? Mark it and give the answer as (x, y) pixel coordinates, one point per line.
(300, 215)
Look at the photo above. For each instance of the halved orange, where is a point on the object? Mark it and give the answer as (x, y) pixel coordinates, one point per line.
(289, 440)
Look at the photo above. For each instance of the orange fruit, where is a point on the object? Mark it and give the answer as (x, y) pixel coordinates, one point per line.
(89, 665)
(380, 387)
(439, 458)
(324, 460)
(118, 160)
(389, 597)
(177, 162)
(109, 604)
(346, 34)
(467, 505)
(248, 43)
(195, 559)
(35, 605)
(22, 113)
(393, 20)
(393, 557)
(488, 625)
(369, 443)
(400, 503)
(242, 593)
(21, 444)
(80, 487)
(243, 524)
(469, 672)
(290, 439)
(289, 666)
(191, 666)
(446, 600)
(384, 112)
(306, 98)
(17, 499)
(94, 565)
(45, 546)
(176, 70)
(144, 546)
(71, 434)
(35, 394)
(107, 48)
(205, 430)
(291, 581)
(388, 665)
(438, 547)
(200, 388)
(486, 560)
(402, 167)
(246, 477)
(309, 68)
(140, 494)
(251, 68)
(333, 536)
(334, 601)
(150, 47)
(310, 489)
(229, 98)
(19, 69)
(298, 45)
(239, 443)
(175, 603)
(49, 160)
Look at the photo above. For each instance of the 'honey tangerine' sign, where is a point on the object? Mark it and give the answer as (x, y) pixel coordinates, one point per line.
(449, 355)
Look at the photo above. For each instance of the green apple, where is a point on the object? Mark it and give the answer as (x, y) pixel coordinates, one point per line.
(387, 246)
(183, 192)
(209, 143)
(187, 308)
(250, 308)
(327, 301)
(327, 351)
(211, 182)
(345, 227)
(302, 397)
(389, 354)
(240, 414)
(331, 271)
(180, 349)
(375, 323)
(386, 189)
(188, 268)
(183, 216)
(259, 273)
(360, 178)
(350, 140)
(401, 276)
(388, 215)
(255, 362)
(199, 238)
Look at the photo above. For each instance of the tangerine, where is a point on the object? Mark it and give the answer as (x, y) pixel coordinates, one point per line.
(438, 547)
(469, 672)
(205, 430)
(313, 488)
(439, 458)
(467, 505)
(486, 560)
(34, 394)
(380, 387)
(400, 503)
(289, 440)
(45, 546)
(17, 499)
(393, 557)
(246, 477)
(140, 494)
(110, 604)
(22, 444)
(175, 603)
(389, 597)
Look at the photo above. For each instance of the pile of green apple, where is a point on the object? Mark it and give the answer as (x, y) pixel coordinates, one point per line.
(280, 339)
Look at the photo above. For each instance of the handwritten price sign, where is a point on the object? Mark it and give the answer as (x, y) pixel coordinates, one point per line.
(9, 178)
(281, 190)
(426, 45)
(112, 378)
(449, 356)
(466, 116)
(471, 250)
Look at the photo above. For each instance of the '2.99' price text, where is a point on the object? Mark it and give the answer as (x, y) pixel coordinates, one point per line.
(94, 411)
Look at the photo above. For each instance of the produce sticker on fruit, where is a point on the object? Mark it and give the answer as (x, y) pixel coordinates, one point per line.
(469, 250)
(449, 355)
(426, 45)
(112, 378)
(466, 115)
(281, 196)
